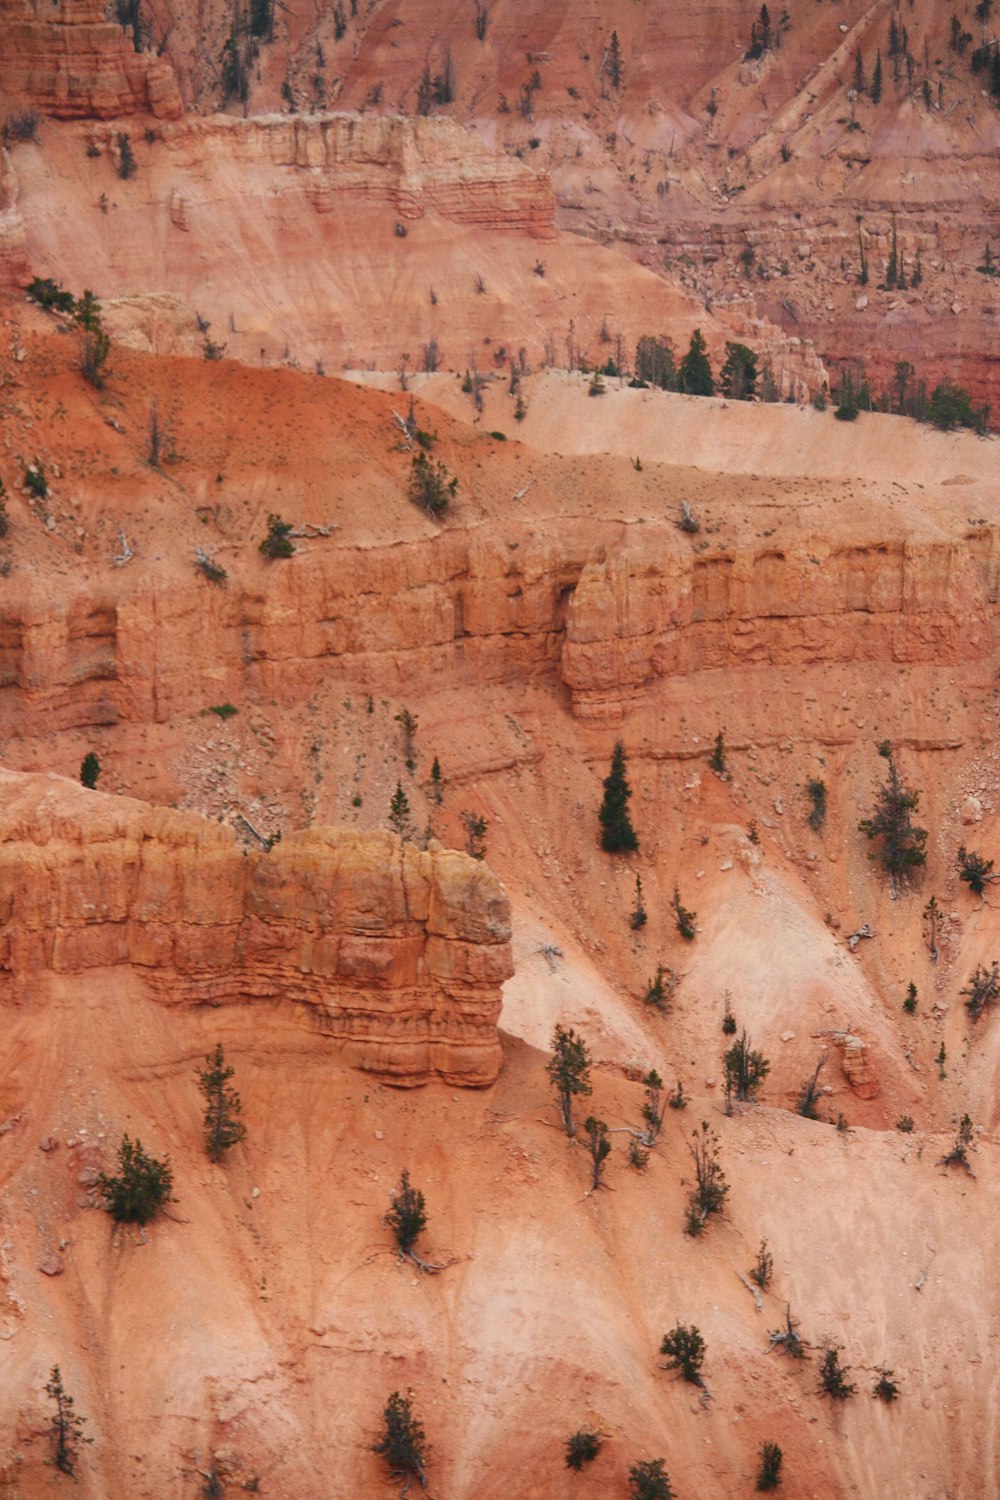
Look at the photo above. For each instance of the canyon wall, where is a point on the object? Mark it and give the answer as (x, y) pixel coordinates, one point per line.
(398, 954)
(606, 609)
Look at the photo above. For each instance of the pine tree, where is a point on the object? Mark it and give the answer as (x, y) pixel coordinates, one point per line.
(90, 769)
(569, 1073)
(901, 843)
(399, 813)
(685, 1351)
(617, 834)
(67, 1427)
(649, 1480)
(598, 1146)
(407, 1215)
(403, 1443)
(877, 79)
(695, 370)
(858, 83)
(223, 1127)
(140, 1188)
(745, 1068)
(615, 61)
(738, 376)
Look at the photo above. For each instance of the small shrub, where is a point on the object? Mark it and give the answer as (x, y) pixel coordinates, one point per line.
(885, 1388)
(638, 1155)
(476, 827)
(816, 792)
(900, 842)
(278, 542)
(598, 1147)
(399, 813)
(763, 1267)
(67, 1427)
(745, 1070)
(431, 487)
(769, 1475)
(676, 1099)
(4, 518)
(213, 571)
(582, 1448)
(974, 870)
(982, 990)
(36, 481)
(90, 769)
(49, 295)
(846, 413)
(23, 125)
(684, 920)
(223, 710)
(649, 1480)
(127, 166)
(905, 1124)
(596, 386)
(833, 1379)
(684, 1349)
(717, 759)
(407, 1215)
(653, 1108)
(708, 1196)
(788, 1338)
(910, 1001)
(660, 988)
(639, 915)
(688, 522)
(140, 1188)
(499, 437)
(809, 1094)
(958, 1156)
(403, 1442)
(211, 350)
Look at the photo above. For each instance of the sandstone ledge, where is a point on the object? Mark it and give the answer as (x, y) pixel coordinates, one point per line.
(401, 953)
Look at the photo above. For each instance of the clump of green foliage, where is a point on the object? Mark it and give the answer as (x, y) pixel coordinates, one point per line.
(141, 1186)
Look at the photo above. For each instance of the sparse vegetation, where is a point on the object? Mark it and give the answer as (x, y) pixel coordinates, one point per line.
(717, 759)
(816, 792)
(661, 987)
(582, 1448)
(431, 487)
(763, 1267)
(900, 843)
(408, 724)
(224, 710)
(223, 1126)
(958, 1156)
(653, 1108)
(403, 1442)
(141, 1186)
(617, 834)
(745, 1071)
(278, 542)
(407, 1214)
(708, 1196)
(127, 165)
(833, 1375)
(769, 1474)
(684, 1350)
(788, 1339)
(639, 914)
(569, 1073)
(982, 990)
(399, 813)
(90, 769)
(974, 869)
(684, 920)
(648, 1480)
(810, 1093)
(885, 1388)
(476, 827)
(910, 1000)
(598, 1147)
(67, 1426)
(36, 481)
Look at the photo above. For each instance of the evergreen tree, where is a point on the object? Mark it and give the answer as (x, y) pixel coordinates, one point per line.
(695, 369)
(684, 1348)
(569, 1073)
(877, 79)
(399, 813)
(67, 1427)
(615, 61)
(223, 1127)
(655, 363)
(90, 769)
(900, 843)
(598, 1146)
(649, 1480)
(738, 376)
(858, 83)
(141, 1186)
(403, 1443)
(617, 834)
(407, 1215)
(745, 1068)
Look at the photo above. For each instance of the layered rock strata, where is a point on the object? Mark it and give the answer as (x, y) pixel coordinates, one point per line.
(399, 953)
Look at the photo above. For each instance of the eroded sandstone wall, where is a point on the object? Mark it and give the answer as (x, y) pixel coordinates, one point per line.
(399, 953)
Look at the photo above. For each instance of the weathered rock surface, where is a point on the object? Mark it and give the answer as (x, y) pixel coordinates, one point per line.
(400, 953)
(75, 64)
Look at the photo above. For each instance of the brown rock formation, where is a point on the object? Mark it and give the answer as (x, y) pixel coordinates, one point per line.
(399, 953)
(77, 65)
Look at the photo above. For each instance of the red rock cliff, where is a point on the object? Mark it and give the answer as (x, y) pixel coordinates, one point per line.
(399, 953)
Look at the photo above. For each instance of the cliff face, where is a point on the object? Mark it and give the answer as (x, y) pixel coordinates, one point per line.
(76, 65)
(399, 954)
